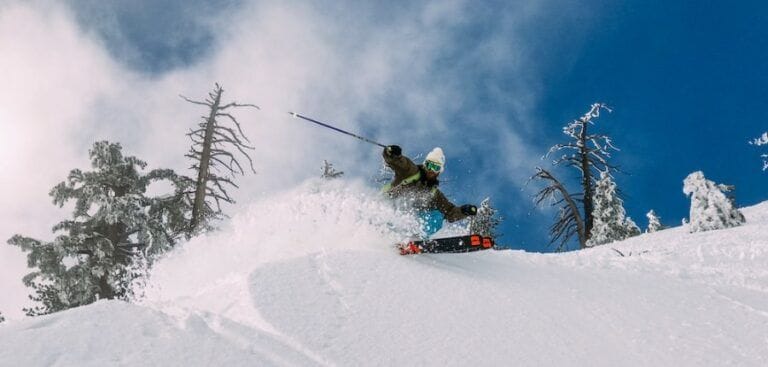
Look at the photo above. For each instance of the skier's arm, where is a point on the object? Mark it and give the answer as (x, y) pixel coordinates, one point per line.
(451, 212)
(400, 164)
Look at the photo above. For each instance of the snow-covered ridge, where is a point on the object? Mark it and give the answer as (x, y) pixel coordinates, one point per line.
(736, 256)
(308, 277)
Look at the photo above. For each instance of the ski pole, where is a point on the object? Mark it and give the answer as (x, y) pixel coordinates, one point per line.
(294, 114)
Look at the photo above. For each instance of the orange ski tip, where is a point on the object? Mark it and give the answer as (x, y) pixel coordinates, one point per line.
(410, 248)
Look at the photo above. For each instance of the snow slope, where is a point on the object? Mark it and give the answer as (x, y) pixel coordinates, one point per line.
(309, 278)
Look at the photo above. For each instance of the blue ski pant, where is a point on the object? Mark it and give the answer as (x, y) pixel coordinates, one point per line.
(430, 221)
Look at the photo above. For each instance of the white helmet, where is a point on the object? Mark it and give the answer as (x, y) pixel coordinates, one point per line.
(437, 157)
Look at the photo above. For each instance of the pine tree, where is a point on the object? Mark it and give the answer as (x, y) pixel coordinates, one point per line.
(654, 222)
(710, 208)
(632, 228)
(329, 172)
(486, 220)
(2, 319)
(213, 161)
(762, 140)
(113, 224)
(588, 153)
(611, 223)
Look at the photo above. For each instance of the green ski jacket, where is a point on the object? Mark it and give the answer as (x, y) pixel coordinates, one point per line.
(411, 182)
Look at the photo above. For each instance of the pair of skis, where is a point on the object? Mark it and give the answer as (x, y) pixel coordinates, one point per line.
(458, 244)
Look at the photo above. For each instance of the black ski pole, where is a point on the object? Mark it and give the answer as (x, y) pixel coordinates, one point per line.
(294, 114)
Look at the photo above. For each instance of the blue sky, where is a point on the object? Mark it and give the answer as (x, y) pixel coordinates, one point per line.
(491, 82)
(689, 83)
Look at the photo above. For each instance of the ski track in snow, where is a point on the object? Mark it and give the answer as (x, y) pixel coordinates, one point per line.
(309, 277)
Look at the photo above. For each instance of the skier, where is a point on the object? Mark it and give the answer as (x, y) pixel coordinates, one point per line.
(418, 185)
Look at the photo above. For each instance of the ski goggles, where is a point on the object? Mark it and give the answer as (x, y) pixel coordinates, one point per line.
(432, 166)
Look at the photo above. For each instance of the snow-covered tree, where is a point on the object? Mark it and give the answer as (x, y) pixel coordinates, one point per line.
(611, 222)
(213, 160)
(710, 208)
(588, 153)
(113, 224)
(762, 140)
(654, 222)
(329, 172)
(2, 319)
(486, 220)
(632, 228)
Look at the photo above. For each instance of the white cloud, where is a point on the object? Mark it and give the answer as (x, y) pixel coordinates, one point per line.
(51, 75)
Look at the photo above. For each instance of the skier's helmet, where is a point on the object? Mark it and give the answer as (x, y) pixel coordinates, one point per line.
(435, 160)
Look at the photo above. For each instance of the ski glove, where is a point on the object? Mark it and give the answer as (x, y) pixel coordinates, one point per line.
(393, 150)
(468, 209)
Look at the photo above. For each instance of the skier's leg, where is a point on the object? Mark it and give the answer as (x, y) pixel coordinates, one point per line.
(431, 221)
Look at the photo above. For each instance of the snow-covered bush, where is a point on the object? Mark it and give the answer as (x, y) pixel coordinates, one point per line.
(654, 222)
(762, 140)
(486, 220)
(329, 172)
(1, 317)
(611, 222)
(710, 208)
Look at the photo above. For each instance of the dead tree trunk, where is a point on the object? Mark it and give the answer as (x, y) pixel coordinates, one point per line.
(210, 157)
(586, 181)
(205, 159)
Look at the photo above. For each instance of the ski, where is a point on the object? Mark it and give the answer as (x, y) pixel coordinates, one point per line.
(458, 244)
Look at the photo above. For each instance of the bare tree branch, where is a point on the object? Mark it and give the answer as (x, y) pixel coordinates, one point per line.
(233, 104)
(195, 102)
(569, 221)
